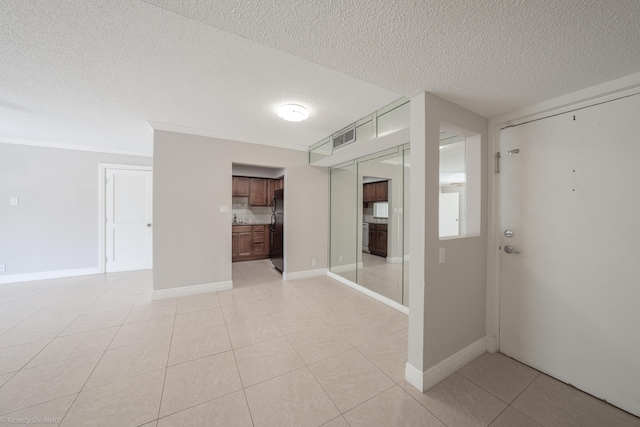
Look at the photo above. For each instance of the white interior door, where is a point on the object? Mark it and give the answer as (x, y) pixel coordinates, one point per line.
(570, 299)
(449, 214)
(128, 219)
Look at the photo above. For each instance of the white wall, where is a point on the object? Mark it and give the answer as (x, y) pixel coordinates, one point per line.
(447, 304)
(192, 179)
(54, 229)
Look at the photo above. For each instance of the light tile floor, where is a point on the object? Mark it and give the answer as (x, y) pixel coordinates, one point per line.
(97, 351)
(387, 279)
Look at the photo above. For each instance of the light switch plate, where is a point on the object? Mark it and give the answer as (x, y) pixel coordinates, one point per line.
(224, 209)
(441, 256)
(14, 201)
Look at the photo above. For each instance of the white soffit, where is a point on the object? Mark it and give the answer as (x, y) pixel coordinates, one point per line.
(489, 56)
(95, 73)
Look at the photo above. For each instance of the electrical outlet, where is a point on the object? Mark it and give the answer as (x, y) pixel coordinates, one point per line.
(340, 258)
(313, 262)
(14, 201)
(441, 256)
(3, 268)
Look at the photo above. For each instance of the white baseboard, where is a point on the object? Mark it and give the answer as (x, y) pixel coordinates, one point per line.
(394, 259)
(423, 381)
(492, 344)
(368, 292)
(414, 376)
(186, 291)
(304, 274)
(43, 275)
(344, 268)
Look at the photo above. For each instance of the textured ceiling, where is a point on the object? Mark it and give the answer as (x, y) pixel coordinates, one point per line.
(94, 72)
(489, 56)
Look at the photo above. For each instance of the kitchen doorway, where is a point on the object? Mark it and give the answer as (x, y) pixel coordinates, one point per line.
(257, 227)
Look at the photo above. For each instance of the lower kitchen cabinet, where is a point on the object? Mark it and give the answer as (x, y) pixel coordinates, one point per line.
(249, 242)
(378, 239)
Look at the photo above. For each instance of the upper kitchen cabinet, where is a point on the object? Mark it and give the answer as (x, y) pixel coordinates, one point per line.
(241, 186)
(274, 184)
(369, 193)
(375, 192)
(382, 191)
(259, 192)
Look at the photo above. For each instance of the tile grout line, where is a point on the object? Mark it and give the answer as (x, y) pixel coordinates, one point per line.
(99, 360)
(51, 340)
(166, 368)
(244, 390)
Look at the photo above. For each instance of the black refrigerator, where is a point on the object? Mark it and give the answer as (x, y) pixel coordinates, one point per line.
(277, 230)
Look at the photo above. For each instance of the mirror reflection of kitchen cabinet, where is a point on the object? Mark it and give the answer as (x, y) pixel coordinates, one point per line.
(378, 239)
(240, 187)
(368, 193)
(375, 192)
(382, 191)
(259, 192)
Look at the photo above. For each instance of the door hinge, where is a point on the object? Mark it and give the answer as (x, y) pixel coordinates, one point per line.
(498, 162)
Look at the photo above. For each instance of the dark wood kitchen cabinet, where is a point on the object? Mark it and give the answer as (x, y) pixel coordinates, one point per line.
(382, 191)
(369, 193)
(375, 192)
(241, 242)
(259, 192)
(249, 242)
(240, 187)
(274, 184)
(260, 241)
(378, 239)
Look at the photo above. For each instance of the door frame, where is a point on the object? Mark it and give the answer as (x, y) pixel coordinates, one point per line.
(605, 92)
(102, 206)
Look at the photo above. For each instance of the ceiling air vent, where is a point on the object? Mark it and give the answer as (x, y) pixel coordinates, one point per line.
(344, 137)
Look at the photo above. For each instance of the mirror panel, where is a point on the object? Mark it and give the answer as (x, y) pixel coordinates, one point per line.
(343, 211)
(406, 225)
(380, 263)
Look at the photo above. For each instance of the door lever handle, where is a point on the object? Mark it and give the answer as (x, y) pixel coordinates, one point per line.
(511, 250)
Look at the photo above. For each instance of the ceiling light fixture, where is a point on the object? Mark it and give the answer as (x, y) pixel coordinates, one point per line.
(293, 112)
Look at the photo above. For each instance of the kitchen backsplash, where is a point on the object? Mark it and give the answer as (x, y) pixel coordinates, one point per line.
(367, 214)
(250, 214)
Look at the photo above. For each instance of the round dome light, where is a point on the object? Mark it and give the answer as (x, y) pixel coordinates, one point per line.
(293, 112)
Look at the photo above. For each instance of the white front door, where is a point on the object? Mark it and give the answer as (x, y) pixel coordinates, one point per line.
(128, 219)
(570, 288)
(449, 215)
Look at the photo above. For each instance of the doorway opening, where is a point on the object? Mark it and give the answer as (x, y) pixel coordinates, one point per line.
(257, 227)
